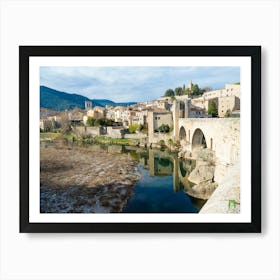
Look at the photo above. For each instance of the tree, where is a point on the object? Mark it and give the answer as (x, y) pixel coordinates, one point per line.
(169, 92)
(179, 91)
(103, 122)
(195, 90)
(165, 128)
(170, 142)
(187, 92)
(212, 109)
(65, 124)
(132, 128)
(90, 121)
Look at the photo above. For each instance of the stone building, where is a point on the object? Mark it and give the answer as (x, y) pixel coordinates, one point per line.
(229, 90)
(140, 117)
(120, 114)
(127, 115)
(97, 112)
(47, 124)
(227, 99)
(75, 116)
(185, 109)
(88, 105)
(110, 112)
(196, 112)
(228, 105)
(156, 118)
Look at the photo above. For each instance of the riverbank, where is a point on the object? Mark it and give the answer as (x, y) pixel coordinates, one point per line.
(70, 137)
(77, 179)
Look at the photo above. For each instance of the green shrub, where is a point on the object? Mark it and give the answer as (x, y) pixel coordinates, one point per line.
(165, 128)
(228, 114)
(170, 142)
(132, 128)
(90, 121)
(212, 109)
(103, 122)
(161, 143)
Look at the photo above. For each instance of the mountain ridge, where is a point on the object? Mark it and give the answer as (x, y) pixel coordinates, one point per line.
(60, 100)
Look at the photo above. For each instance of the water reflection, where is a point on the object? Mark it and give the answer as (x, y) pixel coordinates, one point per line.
(163, 163)
(164, 185)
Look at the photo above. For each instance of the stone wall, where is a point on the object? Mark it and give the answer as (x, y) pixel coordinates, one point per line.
(115, 132)
(86, 130)
(228, 103)
(160, 136)
(227, 193)
(96, 131)
(80, 130)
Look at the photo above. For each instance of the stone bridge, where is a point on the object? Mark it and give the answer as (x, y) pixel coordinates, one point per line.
(218, 134)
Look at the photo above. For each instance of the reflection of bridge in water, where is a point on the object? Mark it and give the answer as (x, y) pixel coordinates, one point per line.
(164, 163)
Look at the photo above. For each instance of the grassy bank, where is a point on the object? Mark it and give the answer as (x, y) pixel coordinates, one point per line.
(116, 141)
(50, 137)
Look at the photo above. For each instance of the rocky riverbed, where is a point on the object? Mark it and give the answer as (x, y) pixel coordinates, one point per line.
(76, 179)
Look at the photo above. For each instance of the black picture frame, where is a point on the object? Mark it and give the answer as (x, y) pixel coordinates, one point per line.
(254, 52)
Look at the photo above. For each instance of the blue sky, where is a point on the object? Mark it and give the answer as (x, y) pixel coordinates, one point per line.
(124, 84)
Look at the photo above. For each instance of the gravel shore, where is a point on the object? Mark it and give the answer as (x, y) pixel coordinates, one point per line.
(76, 179)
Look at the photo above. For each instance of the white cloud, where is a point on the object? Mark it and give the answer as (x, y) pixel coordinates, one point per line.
(132, 83)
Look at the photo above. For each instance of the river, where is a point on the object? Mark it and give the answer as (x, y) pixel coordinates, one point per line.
(162, 187)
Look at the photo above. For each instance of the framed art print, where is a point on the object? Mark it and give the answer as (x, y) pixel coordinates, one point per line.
(140, 138)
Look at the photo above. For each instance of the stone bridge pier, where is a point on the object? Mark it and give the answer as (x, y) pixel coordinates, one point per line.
(222, 135)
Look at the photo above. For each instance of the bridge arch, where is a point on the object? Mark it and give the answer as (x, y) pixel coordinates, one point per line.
(182, 133)
(198, 140)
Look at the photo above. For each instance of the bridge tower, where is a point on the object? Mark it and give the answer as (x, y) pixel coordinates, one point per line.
(190, 85)
(187, 107)
(176, 113)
